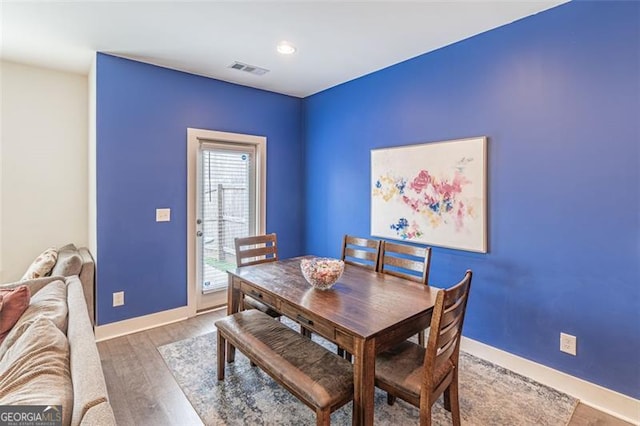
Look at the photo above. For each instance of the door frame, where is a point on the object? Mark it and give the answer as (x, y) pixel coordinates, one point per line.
(194, 138)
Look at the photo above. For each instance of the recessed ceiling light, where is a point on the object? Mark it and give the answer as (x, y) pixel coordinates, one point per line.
(286, 48)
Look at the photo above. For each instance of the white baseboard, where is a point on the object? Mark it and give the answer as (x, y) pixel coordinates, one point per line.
(207, 311)
(606, 400)
(133, 325)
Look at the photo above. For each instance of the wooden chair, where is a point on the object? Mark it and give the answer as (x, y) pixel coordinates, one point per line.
(408, 262)
(256, 249)
(252, 251)
(360, 252)
(418, 375)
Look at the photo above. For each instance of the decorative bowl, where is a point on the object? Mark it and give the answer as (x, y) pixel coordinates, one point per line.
(321, 272)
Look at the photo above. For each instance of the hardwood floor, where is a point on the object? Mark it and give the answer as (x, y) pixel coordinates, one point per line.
(587, 416)
(143, 391)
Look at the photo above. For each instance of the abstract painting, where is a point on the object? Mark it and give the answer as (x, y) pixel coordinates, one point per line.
(432, 193)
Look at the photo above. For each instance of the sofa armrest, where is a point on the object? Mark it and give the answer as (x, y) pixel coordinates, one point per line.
(88, 279)
(101, 414)
(89, 387)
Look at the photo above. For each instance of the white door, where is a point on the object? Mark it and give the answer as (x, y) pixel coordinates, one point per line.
(229, 203)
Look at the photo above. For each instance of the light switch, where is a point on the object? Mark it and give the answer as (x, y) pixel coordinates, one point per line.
(163, 215)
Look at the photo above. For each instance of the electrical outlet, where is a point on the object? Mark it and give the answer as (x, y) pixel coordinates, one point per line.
(568, 343)
(163, 215)
(118, 298)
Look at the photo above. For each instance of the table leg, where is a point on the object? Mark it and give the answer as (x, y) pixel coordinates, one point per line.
(221, 355)
(364, 382)
(233, 304)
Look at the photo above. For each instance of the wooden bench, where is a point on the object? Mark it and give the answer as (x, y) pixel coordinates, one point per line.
(316, 376)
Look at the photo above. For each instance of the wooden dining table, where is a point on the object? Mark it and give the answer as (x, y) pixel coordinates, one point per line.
(365, 313)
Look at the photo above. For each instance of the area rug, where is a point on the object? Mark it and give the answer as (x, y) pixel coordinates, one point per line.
(489, 394)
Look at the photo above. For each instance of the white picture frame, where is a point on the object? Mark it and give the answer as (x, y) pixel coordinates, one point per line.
(432, 193)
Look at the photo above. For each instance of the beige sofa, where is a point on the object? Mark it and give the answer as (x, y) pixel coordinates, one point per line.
(50, 356)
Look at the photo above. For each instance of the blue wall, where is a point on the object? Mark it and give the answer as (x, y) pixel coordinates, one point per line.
(558, 95)
(143, 113)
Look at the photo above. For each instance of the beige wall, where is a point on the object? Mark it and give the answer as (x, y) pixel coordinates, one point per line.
(43, 163)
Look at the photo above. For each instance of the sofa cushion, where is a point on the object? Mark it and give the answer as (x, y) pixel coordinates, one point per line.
(13, 303)
(42, 265)
(69, 263)
(68, 247)
(50, 302)
(35, 285)
(35, 369)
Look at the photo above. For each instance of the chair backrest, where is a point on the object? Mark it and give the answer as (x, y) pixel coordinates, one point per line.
(361, 252)
(257, 249)
(405, 261)
(443, 346)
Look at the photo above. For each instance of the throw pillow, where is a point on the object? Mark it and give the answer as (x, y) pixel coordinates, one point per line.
(42, 265)
(13, 303)
(50, 303)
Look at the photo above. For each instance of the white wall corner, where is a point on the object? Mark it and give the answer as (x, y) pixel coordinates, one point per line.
(91, 160)
(603, 399)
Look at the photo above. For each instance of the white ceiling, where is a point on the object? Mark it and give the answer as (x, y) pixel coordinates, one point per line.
(337, 41)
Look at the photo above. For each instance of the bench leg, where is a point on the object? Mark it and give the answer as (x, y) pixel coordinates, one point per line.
(221, 355)
(391, 399)
(323, 417)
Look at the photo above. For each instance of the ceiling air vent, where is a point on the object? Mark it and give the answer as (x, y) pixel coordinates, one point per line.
(251, 69)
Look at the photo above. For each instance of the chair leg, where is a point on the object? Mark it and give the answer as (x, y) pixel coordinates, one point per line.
(391, 399)
(451, 399)
(421, 338)
(305, 332)
(425, 414)
(323, 417)
(242, 306)
(231, 353)
(344, 354)
(221, 355)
